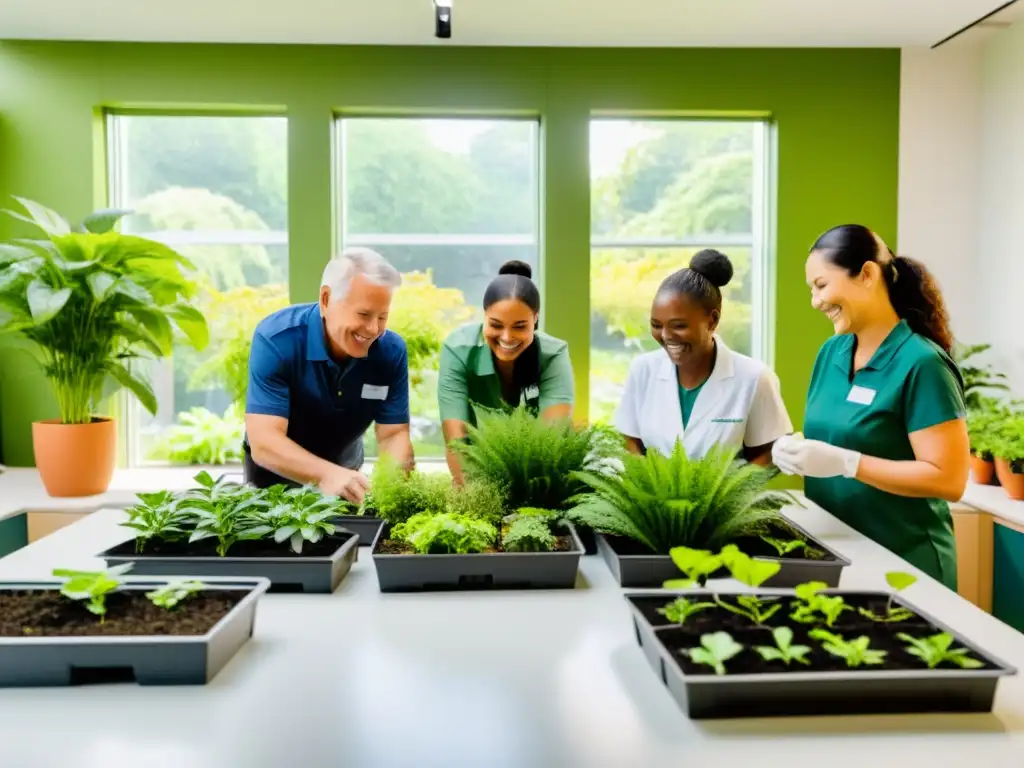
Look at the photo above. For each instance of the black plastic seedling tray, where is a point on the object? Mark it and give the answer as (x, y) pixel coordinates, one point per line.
(631, 567)
(51, 660)
(288, 572)
(363, 526)
(907, 687)
(494, 570)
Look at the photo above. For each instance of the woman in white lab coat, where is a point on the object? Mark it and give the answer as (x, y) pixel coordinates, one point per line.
(695, 388)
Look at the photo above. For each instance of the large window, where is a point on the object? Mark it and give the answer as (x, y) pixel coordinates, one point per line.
(660, 191)
(215, 189)
(447, 202)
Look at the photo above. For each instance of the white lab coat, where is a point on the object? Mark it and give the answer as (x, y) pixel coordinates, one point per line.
(740, 404)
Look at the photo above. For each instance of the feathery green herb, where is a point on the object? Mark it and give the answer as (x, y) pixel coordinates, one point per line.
(398, 496)
(670, 501)
(528, 534)
(445, 533)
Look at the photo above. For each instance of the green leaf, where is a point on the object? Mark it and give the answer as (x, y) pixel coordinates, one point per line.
(899, 580)
(745, 569)
(45, 302)
(100, 284)
(679, 584)
(127, 287)
(138, 387)
(284, 533)
(102, 221)
(47, 220)
(192, 324)
(695, 563)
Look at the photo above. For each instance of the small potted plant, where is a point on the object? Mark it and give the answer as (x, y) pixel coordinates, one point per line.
(1009, 452)
(92, 301)
(983, 423)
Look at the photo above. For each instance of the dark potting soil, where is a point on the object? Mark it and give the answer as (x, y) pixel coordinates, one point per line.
(208, 548)
(34, 613)
(849, 625)
(750, 545)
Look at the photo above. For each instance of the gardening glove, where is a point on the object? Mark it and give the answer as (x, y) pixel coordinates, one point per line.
(795, 455)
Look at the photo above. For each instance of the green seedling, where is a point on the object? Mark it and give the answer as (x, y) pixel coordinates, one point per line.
(899, 581)
(936, 649)
(682, 608)
(171, 594)
(754, 608)
(158, 516)
(697, 564)
(784, 547)
(746, 569)
(528, 533)
(715, 650)
(811, 606)
(854, 652)
(93, 586)
(784, 650)
(296, 524)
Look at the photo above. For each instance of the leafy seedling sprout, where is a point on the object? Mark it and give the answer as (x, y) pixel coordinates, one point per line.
(93, 586)
(715, 650)
(854, 652)
(784, 547)
(784, 650)
(697, 564)
(936, 649)
(810, 603)
(898, 581)
(746, 569)
(169, 595)
(682, 608)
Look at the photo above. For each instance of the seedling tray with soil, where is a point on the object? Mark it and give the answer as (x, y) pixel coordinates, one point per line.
(831, 669)
(319, 568)
(47, 639)
(635, 565)
(401, 568)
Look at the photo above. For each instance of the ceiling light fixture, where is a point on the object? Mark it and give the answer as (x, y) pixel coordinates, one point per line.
(443, 18)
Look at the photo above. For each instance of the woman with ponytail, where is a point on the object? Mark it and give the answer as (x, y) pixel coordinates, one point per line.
(885, 440)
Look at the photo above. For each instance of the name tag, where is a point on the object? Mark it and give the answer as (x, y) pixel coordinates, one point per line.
(861, 395)
(532, 392)
(374, 392)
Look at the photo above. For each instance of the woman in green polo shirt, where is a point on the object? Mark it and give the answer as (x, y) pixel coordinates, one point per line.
(503, 361)
(885, 445)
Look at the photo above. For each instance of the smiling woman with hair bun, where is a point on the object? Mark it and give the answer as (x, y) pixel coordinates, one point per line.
(695, 388)
(504, 360)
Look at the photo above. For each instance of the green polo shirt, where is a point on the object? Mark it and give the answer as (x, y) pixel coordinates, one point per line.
(467, 375)
(909, 384)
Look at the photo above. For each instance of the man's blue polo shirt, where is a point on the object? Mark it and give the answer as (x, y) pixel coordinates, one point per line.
(328, 406)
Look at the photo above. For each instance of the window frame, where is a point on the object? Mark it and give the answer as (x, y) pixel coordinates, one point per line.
(115, 147)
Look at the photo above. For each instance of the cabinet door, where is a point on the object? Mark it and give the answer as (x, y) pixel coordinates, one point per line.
(973, 531)
(1008, 576)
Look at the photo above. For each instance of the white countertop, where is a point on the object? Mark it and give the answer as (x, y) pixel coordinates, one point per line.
(993, 499)
(482, 680)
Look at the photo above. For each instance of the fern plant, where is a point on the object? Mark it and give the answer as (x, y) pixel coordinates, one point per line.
(535, 461)
(397, 496)
(528, 533)
(671, 501)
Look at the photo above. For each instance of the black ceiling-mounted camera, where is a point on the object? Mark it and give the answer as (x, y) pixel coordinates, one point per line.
(443, 18)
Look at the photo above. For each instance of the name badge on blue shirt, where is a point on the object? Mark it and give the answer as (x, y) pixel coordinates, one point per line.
(861, 395)
(374, 392)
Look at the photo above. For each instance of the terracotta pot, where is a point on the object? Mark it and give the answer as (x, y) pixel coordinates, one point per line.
(982, 471)
(1012, 482)
(75, 459)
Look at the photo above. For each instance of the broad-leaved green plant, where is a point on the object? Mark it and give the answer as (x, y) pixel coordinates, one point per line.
(784, 650)
(170, 595)
(93, 586)
(854, 652)
(445, 533)
(936, 649)
(715, 649)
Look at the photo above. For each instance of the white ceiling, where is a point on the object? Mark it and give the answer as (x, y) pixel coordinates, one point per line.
(720, 23)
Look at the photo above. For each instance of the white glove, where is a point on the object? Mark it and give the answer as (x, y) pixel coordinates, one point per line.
(795, 455)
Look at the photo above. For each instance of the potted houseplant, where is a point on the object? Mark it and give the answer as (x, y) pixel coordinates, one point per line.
(983, 423)
(657, 502)
(91, 301)
(1008, 448)
(806, 651)
(978, 377)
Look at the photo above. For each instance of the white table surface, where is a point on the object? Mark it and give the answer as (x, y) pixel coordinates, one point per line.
(993, 499)
(533, 679)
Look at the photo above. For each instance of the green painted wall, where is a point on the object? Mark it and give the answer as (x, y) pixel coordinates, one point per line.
(836, 114)
(13, 534)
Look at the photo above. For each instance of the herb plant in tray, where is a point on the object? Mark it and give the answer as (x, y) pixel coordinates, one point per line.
(812, 651)
(535, 461)
(74, 629)
(658, 502)
(222, 528)
(440, 536)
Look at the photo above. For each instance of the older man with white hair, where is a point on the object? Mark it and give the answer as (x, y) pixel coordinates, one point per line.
(320, 374)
